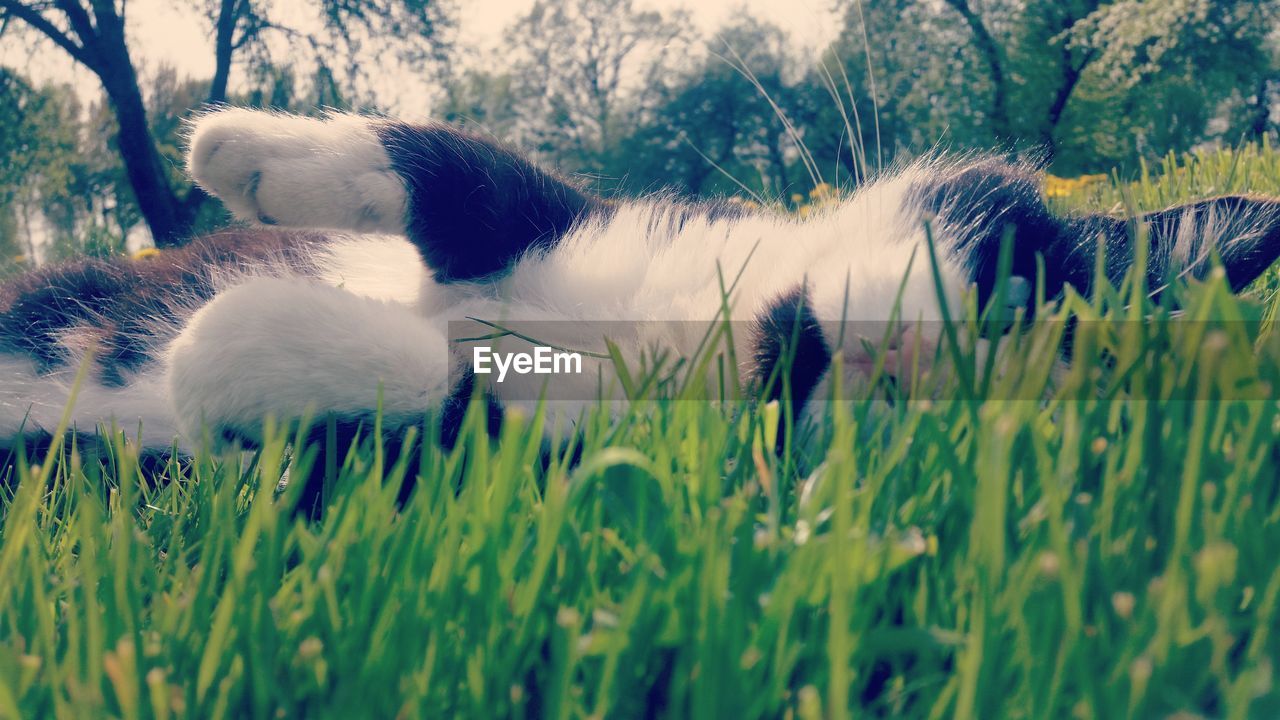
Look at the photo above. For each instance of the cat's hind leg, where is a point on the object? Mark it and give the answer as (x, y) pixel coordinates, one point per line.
(296, 171)
(471, 206)
(291, 348)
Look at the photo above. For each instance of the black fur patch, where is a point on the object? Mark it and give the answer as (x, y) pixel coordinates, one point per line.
(117, 305)
(1248, 230)
(979, 204)
(333, 438)
(476, 207)
(977, 207)
(788, 329)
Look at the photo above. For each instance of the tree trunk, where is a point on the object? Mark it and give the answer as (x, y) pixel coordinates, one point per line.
(155, 197)
(223, 47)
(991, 53)
(778, 165)
(1070, 79)
(1262, 110)
(1072, 73)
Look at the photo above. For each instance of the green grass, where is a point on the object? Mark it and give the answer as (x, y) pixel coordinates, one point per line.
(1099, 542)
(1249, 169)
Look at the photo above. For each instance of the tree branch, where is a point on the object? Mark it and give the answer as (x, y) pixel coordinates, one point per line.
(109, 22)
(81, 24)
(42, 25)
(224, 46)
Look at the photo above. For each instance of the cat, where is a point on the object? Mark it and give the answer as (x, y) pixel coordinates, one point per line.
(367, 237)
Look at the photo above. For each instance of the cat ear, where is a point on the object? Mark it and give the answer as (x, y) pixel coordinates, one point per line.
(1242, 232)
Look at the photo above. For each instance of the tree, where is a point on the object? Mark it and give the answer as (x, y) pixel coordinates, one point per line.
(38, 149)
(1051, 67)
(1224, 49)
(994, 57)
(484, 100)
(1034, 67)
(908, 75)
(718, 128)
(92, 33)
(901, 77)
(586, 71)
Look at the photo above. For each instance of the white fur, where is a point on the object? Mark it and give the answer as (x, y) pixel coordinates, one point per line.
(296, 171)
(33, 402)
(382, 267)
(285, 348)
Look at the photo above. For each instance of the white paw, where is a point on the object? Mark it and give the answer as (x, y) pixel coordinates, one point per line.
(288, 348)
(296, 171)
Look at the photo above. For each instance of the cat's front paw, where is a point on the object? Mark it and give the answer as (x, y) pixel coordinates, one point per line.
(296, 171)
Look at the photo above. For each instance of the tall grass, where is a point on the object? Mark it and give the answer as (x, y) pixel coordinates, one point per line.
(1095, 541)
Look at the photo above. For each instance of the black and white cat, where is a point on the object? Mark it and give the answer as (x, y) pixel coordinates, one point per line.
(399, 229)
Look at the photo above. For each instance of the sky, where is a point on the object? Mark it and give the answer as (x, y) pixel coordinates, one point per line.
(168, 32)
(811, 23)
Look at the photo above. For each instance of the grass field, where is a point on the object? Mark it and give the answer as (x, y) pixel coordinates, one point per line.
(1100, 542)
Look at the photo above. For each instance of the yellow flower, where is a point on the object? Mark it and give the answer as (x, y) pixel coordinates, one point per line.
(145, 253)
(821, 190)
(1058, 187)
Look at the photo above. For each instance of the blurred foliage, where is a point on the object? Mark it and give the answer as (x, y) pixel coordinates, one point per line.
(1084, 86)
